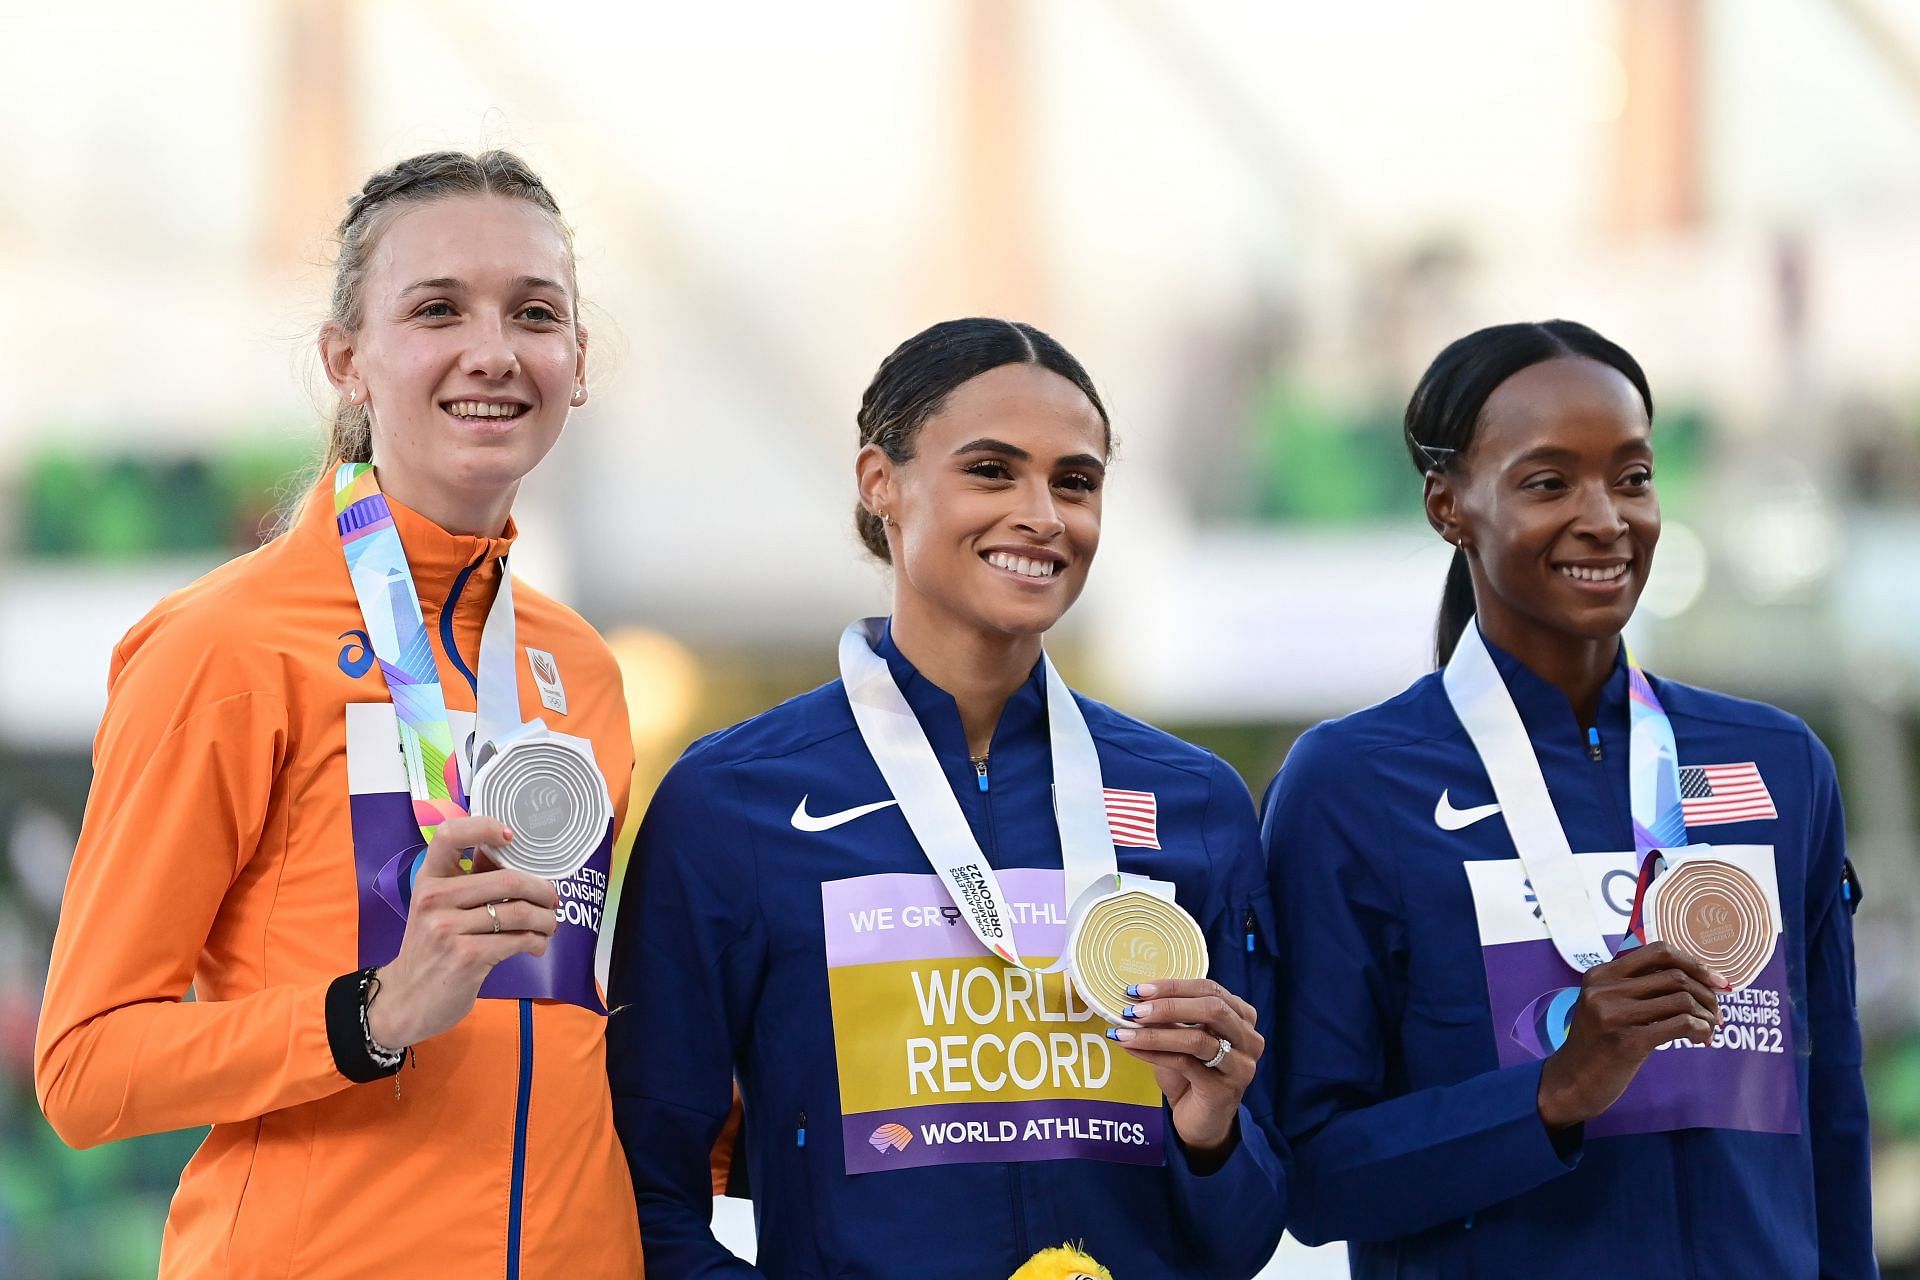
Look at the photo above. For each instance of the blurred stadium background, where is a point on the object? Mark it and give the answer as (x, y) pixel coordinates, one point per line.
(1254, 222)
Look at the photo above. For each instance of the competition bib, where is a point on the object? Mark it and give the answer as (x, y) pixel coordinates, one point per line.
(949, 1055)
(547, 786)
(1744, 1079)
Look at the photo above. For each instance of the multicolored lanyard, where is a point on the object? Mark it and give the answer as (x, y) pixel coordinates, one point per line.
(397, 632)
(1485, 707)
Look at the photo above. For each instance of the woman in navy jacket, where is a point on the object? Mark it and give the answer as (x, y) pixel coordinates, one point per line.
(1460, 1100)
(915, 1105)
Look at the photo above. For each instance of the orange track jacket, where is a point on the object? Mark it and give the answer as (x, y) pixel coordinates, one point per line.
(219, 853)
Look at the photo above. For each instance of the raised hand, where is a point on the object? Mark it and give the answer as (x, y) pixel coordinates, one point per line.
(1178, 1026)
(461, 925)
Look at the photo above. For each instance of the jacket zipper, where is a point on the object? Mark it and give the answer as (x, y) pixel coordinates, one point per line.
(520, 1107)
(1016, 1191)
(807, 1211)
(523, 1098)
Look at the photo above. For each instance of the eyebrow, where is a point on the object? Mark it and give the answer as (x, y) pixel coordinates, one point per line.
(1556, 453)
(987, 444)
(521, 284)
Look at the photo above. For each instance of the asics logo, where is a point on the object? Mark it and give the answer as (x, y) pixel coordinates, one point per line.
(804, 821)
(356, 656)
(1449, 818)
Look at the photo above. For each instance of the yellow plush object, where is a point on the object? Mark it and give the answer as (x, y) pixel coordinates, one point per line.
(1063, 1263)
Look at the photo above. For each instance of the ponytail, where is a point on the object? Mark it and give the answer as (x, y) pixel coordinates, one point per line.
(349, 438)
(1456, 609)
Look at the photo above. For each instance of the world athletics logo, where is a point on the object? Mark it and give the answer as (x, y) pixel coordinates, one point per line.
(890, 1137)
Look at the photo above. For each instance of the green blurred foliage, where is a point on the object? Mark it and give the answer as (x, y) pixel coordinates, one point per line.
(125, 505)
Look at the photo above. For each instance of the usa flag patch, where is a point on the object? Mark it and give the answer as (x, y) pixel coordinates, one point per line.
(1715, 793)
(1134, 817)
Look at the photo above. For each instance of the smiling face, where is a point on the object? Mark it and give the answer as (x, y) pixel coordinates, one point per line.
(1554, 504)
(996, 518)
(468, 353)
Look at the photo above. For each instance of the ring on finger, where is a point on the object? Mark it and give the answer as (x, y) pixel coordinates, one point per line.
(494, 916)
(1226, 1047)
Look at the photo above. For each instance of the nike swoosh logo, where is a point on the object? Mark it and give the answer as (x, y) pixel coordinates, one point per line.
(804, 821)
(1452, 819)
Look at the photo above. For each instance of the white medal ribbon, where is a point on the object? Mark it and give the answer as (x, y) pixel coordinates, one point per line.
(497, 696)
(1481, 699)
(900, 748)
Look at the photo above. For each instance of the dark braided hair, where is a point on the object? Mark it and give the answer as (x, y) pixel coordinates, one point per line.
(1444, 415)
(418, 180)
(914, 382)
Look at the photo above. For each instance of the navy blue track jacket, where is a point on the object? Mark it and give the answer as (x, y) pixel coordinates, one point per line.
(1410, 1140)
(721, 969)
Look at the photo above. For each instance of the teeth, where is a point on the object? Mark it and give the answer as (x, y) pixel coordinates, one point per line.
(1582, 574)
(477, 409)
(1022, 565)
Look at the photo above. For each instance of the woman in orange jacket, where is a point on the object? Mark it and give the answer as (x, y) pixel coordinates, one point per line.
(278, 814)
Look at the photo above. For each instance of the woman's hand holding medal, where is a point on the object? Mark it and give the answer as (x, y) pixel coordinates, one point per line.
(1628, 1007)
(1201, 1042)
(460, 926)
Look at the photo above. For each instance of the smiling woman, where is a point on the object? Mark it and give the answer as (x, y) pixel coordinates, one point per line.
(455, 300)
(854, 901)
(1496, 1052)
(278, 820)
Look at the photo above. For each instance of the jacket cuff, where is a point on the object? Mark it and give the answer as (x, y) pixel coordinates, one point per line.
(1236, 1200)
(347, 1037)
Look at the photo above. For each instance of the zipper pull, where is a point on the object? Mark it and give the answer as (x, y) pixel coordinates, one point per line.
(1249, 931)
(800, 1132)
(1593, 743)
(980, 770)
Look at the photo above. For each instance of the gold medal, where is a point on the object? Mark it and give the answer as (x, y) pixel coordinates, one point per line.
(1128, 937)
(1715, 911)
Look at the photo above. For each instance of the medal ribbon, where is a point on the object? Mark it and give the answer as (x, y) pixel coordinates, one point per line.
(900, 748)
(397, 634)
(1485, 707)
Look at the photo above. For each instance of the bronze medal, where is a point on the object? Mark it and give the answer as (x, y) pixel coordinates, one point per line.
(1717, 912)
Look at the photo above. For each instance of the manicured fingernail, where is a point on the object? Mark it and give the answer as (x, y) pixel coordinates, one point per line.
(1719, 981)
(506, 834)
(1122, 1034)
(1139, 990)
(1137, 1011)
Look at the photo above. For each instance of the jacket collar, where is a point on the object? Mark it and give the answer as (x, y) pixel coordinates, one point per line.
(1024, 717)
(436, 557)
(1546, 712)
